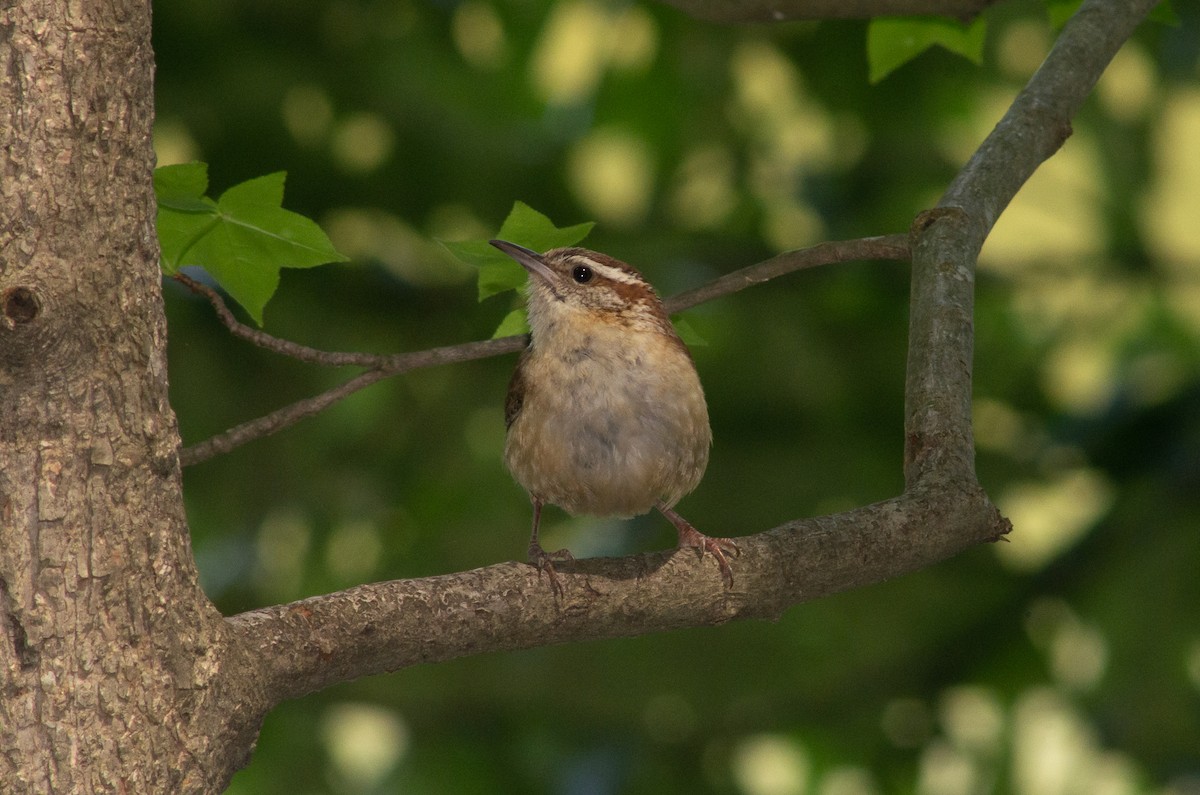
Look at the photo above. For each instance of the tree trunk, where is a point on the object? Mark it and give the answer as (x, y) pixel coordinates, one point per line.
(108, 647)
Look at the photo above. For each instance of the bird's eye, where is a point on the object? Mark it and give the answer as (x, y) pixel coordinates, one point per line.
(582, 274)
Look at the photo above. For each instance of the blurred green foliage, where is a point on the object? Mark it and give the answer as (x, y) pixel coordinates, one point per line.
(1066, 660)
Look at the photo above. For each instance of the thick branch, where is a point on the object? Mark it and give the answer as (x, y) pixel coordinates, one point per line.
(381, 627)
(938, 437)
(726, 11)
(308, 645)
(383, 366)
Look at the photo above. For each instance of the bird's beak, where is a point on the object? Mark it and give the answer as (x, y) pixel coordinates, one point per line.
(530, 260)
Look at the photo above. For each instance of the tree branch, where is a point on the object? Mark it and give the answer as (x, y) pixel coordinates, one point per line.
(308, 645)
(268, 342)
(383, 366)
(728, 12)
(947, 240)
(384, 626)
(886, 247)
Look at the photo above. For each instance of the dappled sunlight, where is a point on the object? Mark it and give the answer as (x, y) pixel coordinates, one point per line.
(1193, 664)
(771, 764)
(362, 142)
(568, 59)
(455, 221)
(1090, 317)
(479, 34)
(1056, 751)
(1080, 374)
(847, 781)
(1043, 744)
(611, 172)
(1172, 206)
(972, 718)
(365, 742)
(1184, 300)
(705, 190)
(1056, 217)
(1080, 302)
(375, 234)
(960, 134)
(173, 143)
(581, 40)
(353, 551)
(1078, 655)
(946, 770)
(1052, 744)
(282, 547)
(1048, 516)
(1000, 428)
(1022, 48)
(1076, 651)
(789, 136)
(307, 114)
(1129, 87)
(1155, 377)
(633, 42)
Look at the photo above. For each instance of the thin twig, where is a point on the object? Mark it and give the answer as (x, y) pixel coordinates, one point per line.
(270, 343)
(294, 412)
(276, 420)
(885, 247)
(890, 247)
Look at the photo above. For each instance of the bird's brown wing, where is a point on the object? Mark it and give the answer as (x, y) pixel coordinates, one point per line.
(516, 392)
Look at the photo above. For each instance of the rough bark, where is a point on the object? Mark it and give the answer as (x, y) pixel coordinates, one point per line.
(110, 655)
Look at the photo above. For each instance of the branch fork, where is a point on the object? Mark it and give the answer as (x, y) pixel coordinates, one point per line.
(299, 648)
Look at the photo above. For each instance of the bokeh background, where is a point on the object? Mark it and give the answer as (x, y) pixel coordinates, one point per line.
(1064, 661)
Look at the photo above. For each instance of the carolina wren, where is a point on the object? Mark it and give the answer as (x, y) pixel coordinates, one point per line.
(605, 412)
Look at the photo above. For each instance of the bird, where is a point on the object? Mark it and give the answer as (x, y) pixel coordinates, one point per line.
(605, 413)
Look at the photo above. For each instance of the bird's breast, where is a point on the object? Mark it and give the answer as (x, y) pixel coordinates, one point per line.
(609, 425)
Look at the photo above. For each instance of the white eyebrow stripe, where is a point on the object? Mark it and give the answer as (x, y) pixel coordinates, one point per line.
(607, 271)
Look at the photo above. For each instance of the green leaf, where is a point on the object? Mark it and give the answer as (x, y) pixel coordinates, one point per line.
(181, 187)
(524, 226)
(243, 239)
(893, 42)
(515, 322)
(497, 271)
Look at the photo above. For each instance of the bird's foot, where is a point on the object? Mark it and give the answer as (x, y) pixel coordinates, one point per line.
(544, 561)
(689, 536)
(717, 547)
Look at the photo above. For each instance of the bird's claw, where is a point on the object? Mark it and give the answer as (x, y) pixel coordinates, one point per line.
(544, 561)
(717, 547)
